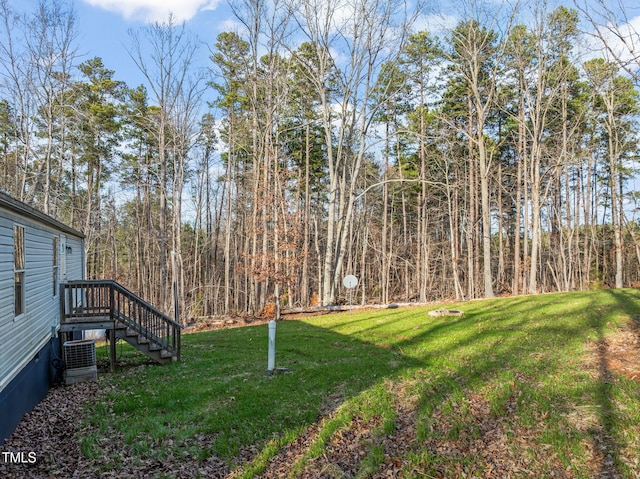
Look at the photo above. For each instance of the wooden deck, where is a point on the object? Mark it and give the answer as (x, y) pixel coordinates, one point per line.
(87, 305)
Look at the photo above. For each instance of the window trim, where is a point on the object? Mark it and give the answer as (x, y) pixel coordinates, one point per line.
(19, 272)
(55, 251)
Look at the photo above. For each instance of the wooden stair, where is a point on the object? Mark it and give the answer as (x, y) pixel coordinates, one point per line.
(111, 306)
(143, 344)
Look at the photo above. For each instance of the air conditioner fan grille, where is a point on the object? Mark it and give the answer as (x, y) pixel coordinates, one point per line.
(79, 354)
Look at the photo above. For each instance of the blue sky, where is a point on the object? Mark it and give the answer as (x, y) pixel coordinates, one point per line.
(103, 27)
(103, 24)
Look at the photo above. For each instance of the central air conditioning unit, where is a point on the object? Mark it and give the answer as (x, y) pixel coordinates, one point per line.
(80, 360)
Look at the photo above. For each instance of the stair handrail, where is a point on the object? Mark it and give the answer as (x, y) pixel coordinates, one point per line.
(119, 310)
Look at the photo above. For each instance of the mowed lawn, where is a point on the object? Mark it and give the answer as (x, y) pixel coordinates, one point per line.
(518, 387)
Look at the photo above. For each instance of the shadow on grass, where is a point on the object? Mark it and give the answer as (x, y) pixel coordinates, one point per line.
(220, 391)
(605, 438)
(218, 400)
(524, 349)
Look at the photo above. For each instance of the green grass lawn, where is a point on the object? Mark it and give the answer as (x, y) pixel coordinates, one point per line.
(514, 387)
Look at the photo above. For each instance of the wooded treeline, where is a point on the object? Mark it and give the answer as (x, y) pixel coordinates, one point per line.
(324, 139)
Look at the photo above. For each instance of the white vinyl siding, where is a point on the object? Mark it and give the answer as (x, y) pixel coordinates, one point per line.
(74, 259)
(21, 339)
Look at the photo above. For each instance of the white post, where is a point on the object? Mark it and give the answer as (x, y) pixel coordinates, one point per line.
(271, 363)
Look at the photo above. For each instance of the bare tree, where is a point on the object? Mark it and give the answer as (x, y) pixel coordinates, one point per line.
(367, 33)
(619, 102)
(165, 54)
(477, 55)
(37, 56)
(616, 31)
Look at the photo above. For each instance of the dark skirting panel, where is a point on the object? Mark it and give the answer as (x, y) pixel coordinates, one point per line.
(28, 388)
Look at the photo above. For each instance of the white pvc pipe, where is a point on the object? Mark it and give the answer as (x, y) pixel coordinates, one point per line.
(271, 363)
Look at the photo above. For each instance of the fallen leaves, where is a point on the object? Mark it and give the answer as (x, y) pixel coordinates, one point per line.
(53, 430)
(620, 352)
(50, 431)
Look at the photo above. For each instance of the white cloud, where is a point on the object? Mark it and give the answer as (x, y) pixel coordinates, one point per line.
(435, 23)
(622, 40)
(155, 10)
(230, 25)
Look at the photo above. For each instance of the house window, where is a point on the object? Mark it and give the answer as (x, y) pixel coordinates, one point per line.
(18, 269)
(54, 252)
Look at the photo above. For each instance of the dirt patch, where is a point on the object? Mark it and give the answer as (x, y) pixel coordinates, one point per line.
(344, 452)
(209, 324)
(621, 350)
(616, 354)
(240, 321)
(280, 465)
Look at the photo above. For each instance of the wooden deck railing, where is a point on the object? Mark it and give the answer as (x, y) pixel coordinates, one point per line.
(108, 300)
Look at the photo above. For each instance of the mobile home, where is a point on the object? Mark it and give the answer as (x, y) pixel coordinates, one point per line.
(37, 254)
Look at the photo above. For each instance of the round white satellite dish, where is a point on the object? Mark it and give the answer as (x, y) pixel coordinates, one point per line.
(350, 281)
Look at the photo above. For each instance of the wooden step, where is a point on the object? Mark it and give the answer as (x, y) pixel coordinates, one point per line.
(154, 350)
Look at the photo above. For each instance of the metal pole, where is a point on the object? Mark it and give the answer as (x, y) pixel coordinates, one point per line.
(271, 362)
